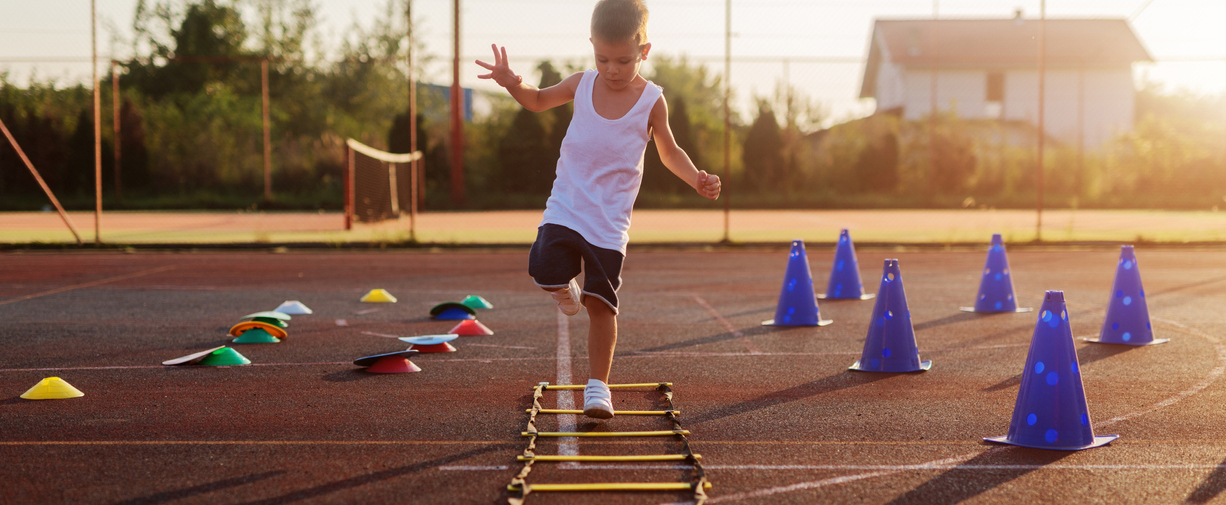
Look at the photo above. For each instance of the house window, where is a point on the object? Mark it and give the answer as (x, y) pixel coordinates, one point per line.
(994, 104)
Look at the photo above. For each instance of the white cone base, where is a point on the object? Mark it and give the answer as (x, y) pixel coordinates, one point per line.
(820, 322)
(924, 367)
(1155, 341)
(868, 296)
(1020, 309)
(1099, 441)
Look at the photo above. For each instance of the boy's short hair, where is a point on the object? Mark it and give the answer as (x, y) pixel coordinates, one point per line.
(620, 20)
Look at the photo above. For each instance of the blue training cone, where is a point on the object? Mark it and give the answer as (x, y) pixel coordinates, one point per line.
(845, 273)
(890, 345)
(1127, 320)
(1051, 410)
(797, 305)
(996, 286)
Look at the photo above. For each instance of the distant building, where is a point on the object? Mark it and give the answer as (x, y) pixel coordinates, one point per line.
(988, 69)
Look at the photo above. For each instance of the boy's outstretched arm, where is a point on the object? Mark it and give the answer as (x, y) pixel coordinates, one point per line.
(529, 96)
(675, 158)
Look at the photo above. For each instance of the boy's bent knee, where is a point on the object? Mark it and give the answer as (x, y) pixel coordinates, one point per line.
(597, 307)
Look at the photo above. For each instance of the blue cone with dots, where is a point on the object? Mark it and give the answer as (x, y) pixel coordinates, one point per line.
(845, 273)
(996, 286)
(1051, 410)
(1127, 319)
(797, 305)
(890, 345)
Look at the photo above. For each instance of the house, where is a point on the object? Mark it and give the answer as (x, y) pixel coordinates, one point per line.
(988, 69)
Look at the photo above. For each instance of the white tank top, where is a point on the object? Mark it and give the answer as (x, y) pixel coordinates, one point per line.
(600, 169)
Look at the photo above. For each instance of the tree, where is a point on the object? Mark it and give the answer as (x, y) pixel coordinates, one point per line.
(763, 152)
(656, 177)
(877, 166)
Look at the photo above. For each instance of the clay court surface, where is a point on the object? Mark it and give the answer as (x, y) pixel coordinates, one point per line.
(650, 227)
(774, 412)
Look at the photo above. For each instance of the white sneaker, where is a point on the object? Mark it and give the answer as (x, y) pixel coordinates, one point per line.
(597, 401)
(568, 299)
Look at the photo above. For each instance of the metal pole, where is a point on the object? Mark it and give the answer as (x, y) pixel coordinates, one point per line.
(115, 121)
(349, 187)
(932, 91)
(727, 183)
(1038, 226)
(41, 183)
(457, 124)
(267, 135)
(93, 41)
(415, 165)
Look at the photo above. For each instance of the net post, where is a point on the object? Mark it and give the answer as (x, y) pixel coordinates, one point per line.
(393, 195)
(413, 196)
(348, 177)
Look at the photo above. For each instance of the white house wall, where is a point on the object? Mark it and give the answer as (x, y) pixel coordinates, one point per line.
(891, 90)
(1108, 98)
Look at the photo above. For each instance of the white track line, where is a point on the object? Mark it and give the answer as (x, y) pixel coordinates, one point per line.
(567, 446)
(801, 486)
(1196, 388)
(749, 345)
(107, 280)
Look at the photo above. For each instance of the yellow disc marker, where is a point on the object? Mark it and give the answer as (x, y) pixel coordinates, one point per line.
(52, 388)
(378, 296)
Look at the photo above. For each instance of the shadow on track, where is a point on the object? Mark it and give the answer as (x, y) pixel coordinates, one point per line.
(947, 320)
(969, 480)
(719, 337)
(168, 496)
(1085, 356)
(844, 380)
(1213, 485)
(370, 478)
(350, 375)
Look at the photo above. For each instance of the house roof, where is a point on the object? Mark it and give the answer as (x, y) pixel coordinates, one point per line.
(1000, 44)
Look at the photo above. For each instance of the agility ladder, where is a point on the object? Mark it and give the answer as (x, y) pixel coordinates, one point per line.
(520, 488)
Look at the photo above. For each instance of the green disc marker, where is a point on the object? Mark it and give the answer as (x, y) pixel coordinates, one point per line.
(273, 321)
(476, 302)
(256, 336)
(225, 357)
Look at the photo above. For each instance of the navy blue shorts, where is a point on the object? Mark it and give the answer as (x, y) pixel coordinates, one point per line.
(560, 254)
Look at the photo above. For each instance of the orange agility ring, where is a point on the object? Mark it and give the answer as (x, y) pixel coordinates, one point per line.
(239, 328)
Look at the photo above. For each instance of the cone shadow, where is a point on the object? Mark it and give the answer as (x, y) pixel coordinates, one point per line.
(178, 494)
(944, 321)
(1085, 356)
(1212, 486)
(844, 380)
(350, 375)
(970, 479)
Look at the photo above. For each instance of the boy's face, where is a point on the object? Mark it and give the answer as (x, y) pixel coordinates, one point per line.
(618, 62)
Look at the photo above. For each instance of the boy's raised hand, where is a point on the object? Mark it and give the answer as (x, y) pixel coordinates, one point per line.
(708, 185)
(500, 71)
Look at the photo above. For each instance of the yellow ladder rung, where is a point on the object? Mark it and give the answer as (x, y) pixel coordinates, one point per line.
(611, 386)
(604, 433)
(647, 457)
(613, 486)
(615, 412)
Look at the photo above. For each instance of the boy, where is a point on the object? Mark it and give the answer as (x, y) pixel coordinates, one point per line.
(598, 176)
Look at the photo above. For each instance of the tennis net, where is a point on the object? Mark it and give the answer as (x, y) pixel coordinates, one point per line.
(380, 185)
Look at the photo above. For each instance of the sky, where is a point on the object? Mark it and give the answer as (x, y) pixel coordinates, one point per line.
(817, 46)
